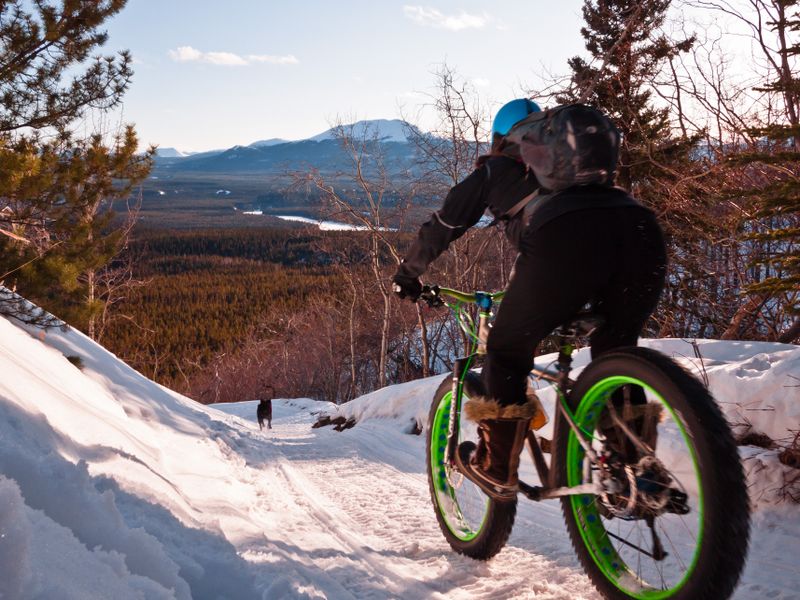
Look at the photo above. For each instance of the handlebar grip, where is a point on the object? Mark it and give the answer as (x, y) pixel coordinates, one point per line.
(430, 294)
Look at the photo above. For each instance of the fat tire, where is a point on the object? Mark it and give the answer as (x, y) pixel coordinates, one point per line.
(726, 523)
(500, 515)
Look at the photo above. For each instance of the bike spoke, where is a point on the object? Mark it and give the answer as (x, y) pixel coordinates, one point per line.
(675, 551)
(639, 555)
(629, 544)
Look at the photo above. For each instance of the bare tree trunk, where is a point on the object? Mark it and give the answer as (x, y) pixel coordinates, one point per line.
(91, 329)
(353, 389)
(423, 333)
(384, 351)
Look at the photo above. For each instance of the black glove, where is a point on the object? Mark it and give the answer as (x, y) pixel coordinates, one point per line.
(406, 286)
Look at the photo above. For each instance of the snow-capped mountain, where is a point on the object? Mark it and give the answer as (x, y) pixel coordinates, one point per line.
(322, 152)
(269, 142)
(171, 153)
(384, 130)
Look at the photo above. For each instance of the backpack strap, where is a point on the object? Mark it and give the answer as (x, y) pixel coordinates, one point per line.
(519, 206)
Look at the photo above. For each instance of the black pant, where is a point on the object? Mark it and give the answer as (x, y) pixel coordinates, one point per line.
(613, 258)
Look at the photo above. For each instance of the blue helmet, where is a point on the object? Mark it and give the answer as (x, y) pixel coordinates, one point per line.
(512, 113)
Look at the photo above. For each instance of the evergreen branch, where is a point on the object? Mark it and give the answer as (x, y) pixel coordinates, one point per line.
(31, 261)
(631, 21)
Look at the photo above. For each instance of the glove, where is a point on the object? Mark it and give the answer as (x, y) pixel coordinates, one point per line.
(406, 287)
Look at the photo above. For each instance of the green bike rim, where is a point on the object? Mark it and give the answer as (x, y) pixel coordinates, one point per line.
(586, 514)
(447, 501)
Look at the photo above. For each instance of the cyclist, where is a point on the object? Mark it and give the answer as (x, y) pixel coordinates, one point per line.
(586, 244)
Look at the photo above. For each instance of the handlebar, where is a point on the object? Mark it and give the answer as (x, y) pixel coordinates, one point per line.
(477, 331)
(432, 296)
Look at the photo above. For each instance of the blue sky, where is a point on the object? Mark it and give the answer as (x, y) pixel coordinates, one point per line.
(211, 74)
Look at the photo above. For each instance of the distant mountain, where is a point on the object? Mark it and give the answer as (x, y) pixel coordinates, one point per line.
(170, 153)
(269, 142)
(327, 156)
(384, 130)
(323, 152)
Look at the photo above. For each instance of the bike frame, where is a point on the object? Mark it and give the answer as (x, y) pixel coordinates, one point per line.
(559, 377)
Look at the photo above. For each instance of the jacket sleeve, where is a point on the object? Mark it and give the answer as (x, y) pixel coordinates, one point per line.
(462, 208)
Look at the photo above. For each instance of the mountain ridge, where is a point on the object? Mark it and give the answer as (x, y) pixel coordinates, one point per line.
(323, 151)
(383, 130)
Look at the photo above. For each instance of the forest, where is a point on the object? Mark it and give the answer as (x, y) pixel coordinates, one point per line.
(204, 294)
(710, 144)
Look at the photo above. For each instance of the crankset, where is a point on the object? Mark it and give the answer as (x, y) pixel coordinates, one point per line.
(641, 491)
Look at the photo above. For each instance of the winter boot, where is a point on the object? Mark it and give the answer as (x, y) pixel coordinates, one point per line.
(492, 464)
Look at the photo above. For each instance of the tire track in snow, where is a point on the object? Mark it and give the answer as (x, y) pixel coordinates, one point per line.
(390, 506)
(348, 515)
(340, 525)
(369, 507)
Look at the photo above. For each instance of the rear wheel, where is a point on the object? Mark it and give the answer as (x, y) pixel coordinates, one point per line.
(669, 523)
(472, 523)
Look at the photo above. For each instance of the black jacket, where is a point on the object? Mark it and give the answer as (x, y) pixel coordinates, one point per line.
(498, 185)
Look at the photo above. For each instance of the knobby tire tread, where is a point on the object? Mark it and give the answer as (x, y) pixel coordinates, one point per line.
(727, 522)
(500, 518)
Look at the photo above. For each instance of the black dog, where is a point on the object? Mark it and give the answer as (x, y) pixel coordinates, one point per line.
(264, 413)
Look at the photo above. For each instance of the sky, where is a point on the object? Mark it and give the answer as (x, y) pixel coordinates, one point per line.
(212, 75)
(112, 486)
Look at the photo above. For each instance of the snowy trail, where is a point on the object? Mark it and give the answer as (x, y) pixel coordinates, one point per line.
(376, 514)
(112, 486)
(365, 492)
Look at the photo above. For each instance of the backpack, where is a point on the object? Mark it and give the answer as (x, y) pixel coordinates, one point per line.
(568, 145)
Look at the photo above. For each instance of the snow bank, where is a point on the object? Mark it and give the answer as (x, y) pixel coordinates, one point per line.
(92, 505)
(112, 486)
(756, 384)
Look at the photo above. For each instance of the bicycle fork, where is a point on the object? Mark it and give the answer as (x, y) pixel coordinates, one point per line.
(459, 368)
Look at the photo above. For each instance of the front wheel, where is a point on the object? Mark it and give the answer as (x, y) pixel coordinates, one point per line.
(472, 523)
(670, 519)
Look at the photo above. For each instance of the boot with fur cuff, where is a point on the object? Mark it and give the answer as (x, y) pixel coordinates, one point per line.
(492, 464)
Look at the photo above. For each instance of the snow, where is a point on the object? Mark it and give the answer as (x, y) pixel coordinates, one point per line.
(325, 225)
(269, 142)
(385, 130)
(171, 153)
(112, 486)
(322, 225)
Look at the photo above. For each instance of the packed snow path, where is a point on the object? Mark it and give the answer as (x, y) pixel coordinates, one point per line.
(357, 511)
(112, 486)
(352, 514)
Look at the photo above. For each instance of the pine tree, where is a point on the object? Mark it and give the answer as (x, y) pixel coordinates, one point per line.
(777, 196)
(659, 160)
(628, 52)
(57, 190)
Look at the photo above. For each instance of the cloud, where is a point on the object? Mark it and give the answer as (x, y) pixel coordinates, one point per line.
(432, 17)
(228, 59)
(185, 54)
(223, 58)
(288, 59)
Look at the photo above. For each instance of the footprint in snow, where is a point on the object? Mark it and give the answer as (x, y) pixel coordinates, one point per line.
(755, 367)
